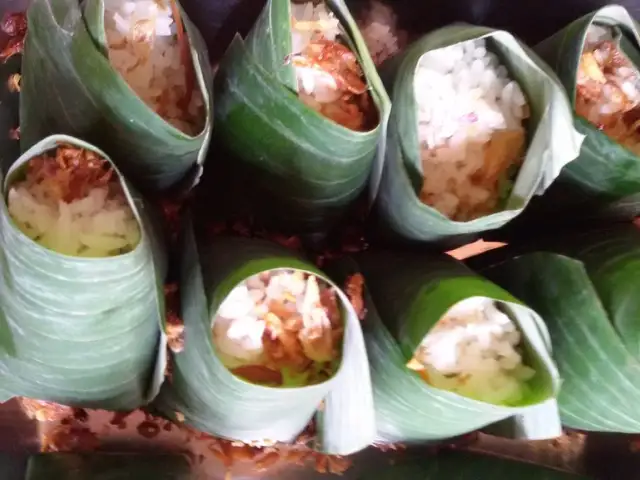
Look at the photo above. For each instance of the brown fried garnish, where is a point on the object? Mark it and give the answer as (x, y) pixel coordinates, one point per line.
(69, 174)
(44, 411)
(70, 438)
(353, 109)
(354, 287)
(13, 84)
(598, 79)
(331, 463)
(337, 60)
(174, 330)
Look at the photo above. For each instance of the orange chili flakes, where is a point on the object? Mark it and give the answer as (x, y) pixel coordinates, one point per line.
(70, 173)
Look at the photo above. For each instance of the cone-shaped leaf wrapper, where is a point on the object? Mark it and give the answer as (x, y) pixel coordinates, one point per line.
(108, 466)
(217, 401)
(405, 297)
(79, 331)
(585, 286)
(605, 175)
(85, 96)
(550, 143)
(463, 465)
(312, 166)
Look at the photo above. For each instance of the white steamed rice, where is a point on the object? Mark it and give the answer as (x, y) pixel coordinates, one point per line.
(143, 48)
(475, 351)
(98, 225)
(470, 116)
(380, 32)
(314, 82)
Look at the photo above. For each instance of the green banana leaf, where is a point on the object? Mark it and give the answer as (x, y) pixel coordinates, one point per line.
(214, 400)
(465, 466)
(552, 140)
(605, 179)
(310, 168)
(69, 87)
(405, 296)
(108, 466)
(585, 286)
(86, 332)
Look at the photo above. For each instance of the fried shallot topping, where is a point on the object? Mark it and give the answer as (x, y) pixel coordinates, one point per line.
(330, 79)
(69, 173)
(335, 59)
(608, 91)
(280, 328)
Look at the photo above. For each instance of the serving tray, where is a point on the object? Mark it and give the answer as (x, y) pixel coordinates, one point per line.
(600, 456)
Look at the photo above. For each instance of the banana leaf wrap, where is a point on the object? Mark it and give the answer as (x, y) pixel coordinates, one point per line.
(108, 466)
(85, 332)
(551, 139)
(585, 286)
(604, 181)
(405, 296)
(464, 466)
(311, 168)
(214, 400)
(84, 96)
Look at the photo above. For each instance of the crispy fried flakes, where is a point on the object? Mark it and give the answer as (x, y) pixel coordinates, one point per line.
(353, 108)
(70, 438)
(607, 94)
(302, 328)
(13, 84)
(44, 411)
(71, 435)
(354, 287)
(69, 174)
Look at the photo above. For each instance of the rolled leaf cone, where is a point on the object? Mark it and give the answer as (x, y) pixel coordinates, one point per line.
(585, 286)
(405, 296)
(311, 168)
(604, 181)
(552, 141)
(84, 96)
(108, 466)
(464, 465)
(214, 400)
(85, 332)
